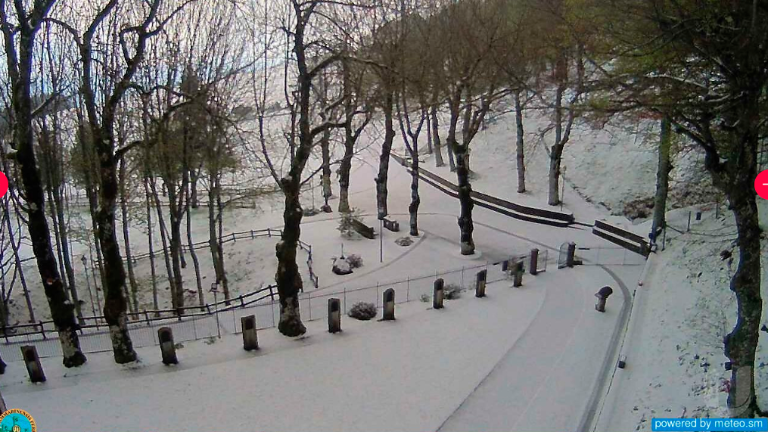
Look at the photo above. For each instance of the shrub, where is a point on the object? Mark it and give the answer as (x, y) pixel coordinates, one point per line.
(363, 311)
(355, 261)
(452, 292)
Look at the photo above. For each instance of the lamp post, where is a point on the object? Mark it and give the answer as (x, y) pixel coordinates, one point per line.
(215, 290)
(562, 190)
(84, 260)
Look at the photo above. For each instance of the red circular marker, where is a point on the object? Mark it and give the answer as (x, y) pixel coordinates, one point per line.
(3, 184)
(761, 184)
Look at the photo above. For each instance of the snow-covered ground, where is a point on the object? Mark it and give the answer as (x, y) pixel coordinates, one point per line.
(523, 359)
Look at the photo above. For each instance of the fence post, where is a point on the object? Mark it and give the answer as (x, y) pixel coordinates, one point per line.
(42, 330)
(242, 302)
(252, 235)
(146, 316)
(234, 239)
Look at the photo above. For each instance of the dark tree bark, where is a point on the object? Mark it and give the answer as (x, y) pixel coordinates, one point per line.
(20, 73)
(662, 177)
(436, 138)
(150, 242)
(520, 144)
(217, 253)
(325, 148)
(386, 150)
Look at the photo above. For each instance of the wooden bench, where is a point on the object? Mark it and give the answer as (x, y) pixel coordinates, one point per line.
(363, 229)
(392, 225)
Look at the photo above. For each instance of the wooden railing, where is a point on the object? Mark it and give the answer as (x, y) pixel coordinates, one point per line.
(517, 211)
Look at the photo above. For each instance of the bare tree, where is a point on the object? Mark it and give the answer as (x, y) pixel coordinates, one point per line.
(19, 38)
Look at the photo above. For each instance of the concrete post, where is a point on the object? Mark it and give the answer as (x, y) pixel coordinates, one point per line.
(34, 367)
(334, 315)
(518, 282)
(602, 296)
(438, 294)
(250, 337)
(167, 348)
(570, 258)
(534, 267)
(389, 305)
(480, 283)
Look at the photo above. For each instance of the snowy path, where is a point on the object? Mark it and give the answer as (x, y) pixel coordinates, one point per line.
(520, 359)
(543, 381)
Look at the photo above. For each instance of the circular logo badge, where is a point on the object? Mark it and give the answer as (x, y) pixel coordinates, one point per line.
(761, 184)
(17, 420)
(3, 184)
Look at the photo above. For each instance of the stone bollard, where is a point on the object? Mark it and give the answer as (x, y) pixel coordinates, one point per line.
(602, 296)
(34, 367)
(334, 315)
(167, 348)
(389, 305)
(250, 337)
(534, 267)
(480, 283)
(571, 257)
(438, 295)
(519, 271)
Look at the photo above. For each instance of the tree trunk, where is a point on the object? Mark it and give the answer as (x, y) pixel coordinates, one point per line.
(386, 149)
(736, 177)
(62, 311)
(213, 239)
(662, 178)
(194, 176)
(115, 303)
(436, 137)
(150, 242)
(451, 161)
(289, 283)
(465, 198)
(166, 249)
(134, 303)
(466, 226)
(344, 170)
(17, 261)
(413, 207)
(429, 135)
(176, 245)
(556, 152)
(193, 254)
(520, 144)
(741, 343)
(325, 146)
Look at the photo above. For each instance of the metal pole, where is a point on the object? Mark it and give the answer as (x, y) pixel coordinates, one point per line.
(408, 290)
(562, 189)
(381, 241)
(689, 222)
(216, 303)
